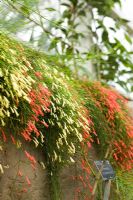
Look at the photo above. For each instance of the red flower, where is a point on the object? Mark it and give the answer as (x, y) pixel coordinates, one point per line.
(28, 180)
(4, 136)
(13, 139)
(31, 158)
(38, 74)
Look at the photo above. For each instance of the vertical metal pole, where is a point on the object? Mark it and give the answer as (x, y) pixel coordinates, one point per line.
(107, 190)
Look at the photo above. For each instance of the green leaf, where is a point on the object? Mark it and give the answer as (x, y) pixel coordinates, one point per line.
(127, 37)
(50, 9)
(25, 10)
(82, 13)
(124, 20)
(105, 36)
(113, 29)
(132, 88)
(66, 4)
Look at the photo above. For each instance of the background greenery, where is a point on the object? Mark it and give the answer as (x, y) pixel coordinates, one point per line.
(77, 32)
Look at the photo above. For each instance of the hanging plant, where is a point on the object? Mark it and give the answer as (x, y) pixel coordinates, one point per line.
(65, 117)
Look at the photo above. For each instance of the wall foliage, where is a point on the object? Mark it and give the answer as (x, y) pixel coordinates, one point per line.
(64, 117)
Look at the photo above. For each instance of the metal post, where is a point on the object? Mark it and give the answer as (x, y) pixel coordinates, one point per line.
(107, 190)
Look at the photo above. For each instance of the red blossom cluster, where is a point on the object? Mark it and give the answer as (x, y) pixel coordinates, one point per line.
(27, 181)
(39, 103)
(116, 108)
(113, 106)
(20, 174)
(110, 98)
(31, 158)
(123, 154)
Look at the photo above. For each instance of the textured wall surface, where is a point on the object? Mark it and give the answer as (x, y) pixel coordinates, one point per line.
(13, 186)
(16, 187)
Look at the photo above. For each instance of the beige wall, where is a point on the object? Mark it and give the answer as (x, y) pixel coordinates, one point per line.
(12, 186)
(15, 187)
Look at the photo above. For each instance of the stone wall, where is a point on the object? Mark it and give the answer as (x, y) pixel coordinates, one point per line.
(20, 180)
(16, 187)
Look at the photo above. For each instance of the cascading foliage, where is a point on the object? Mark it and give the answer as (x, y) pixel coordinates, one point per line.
(65, 117)
(111, 126)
